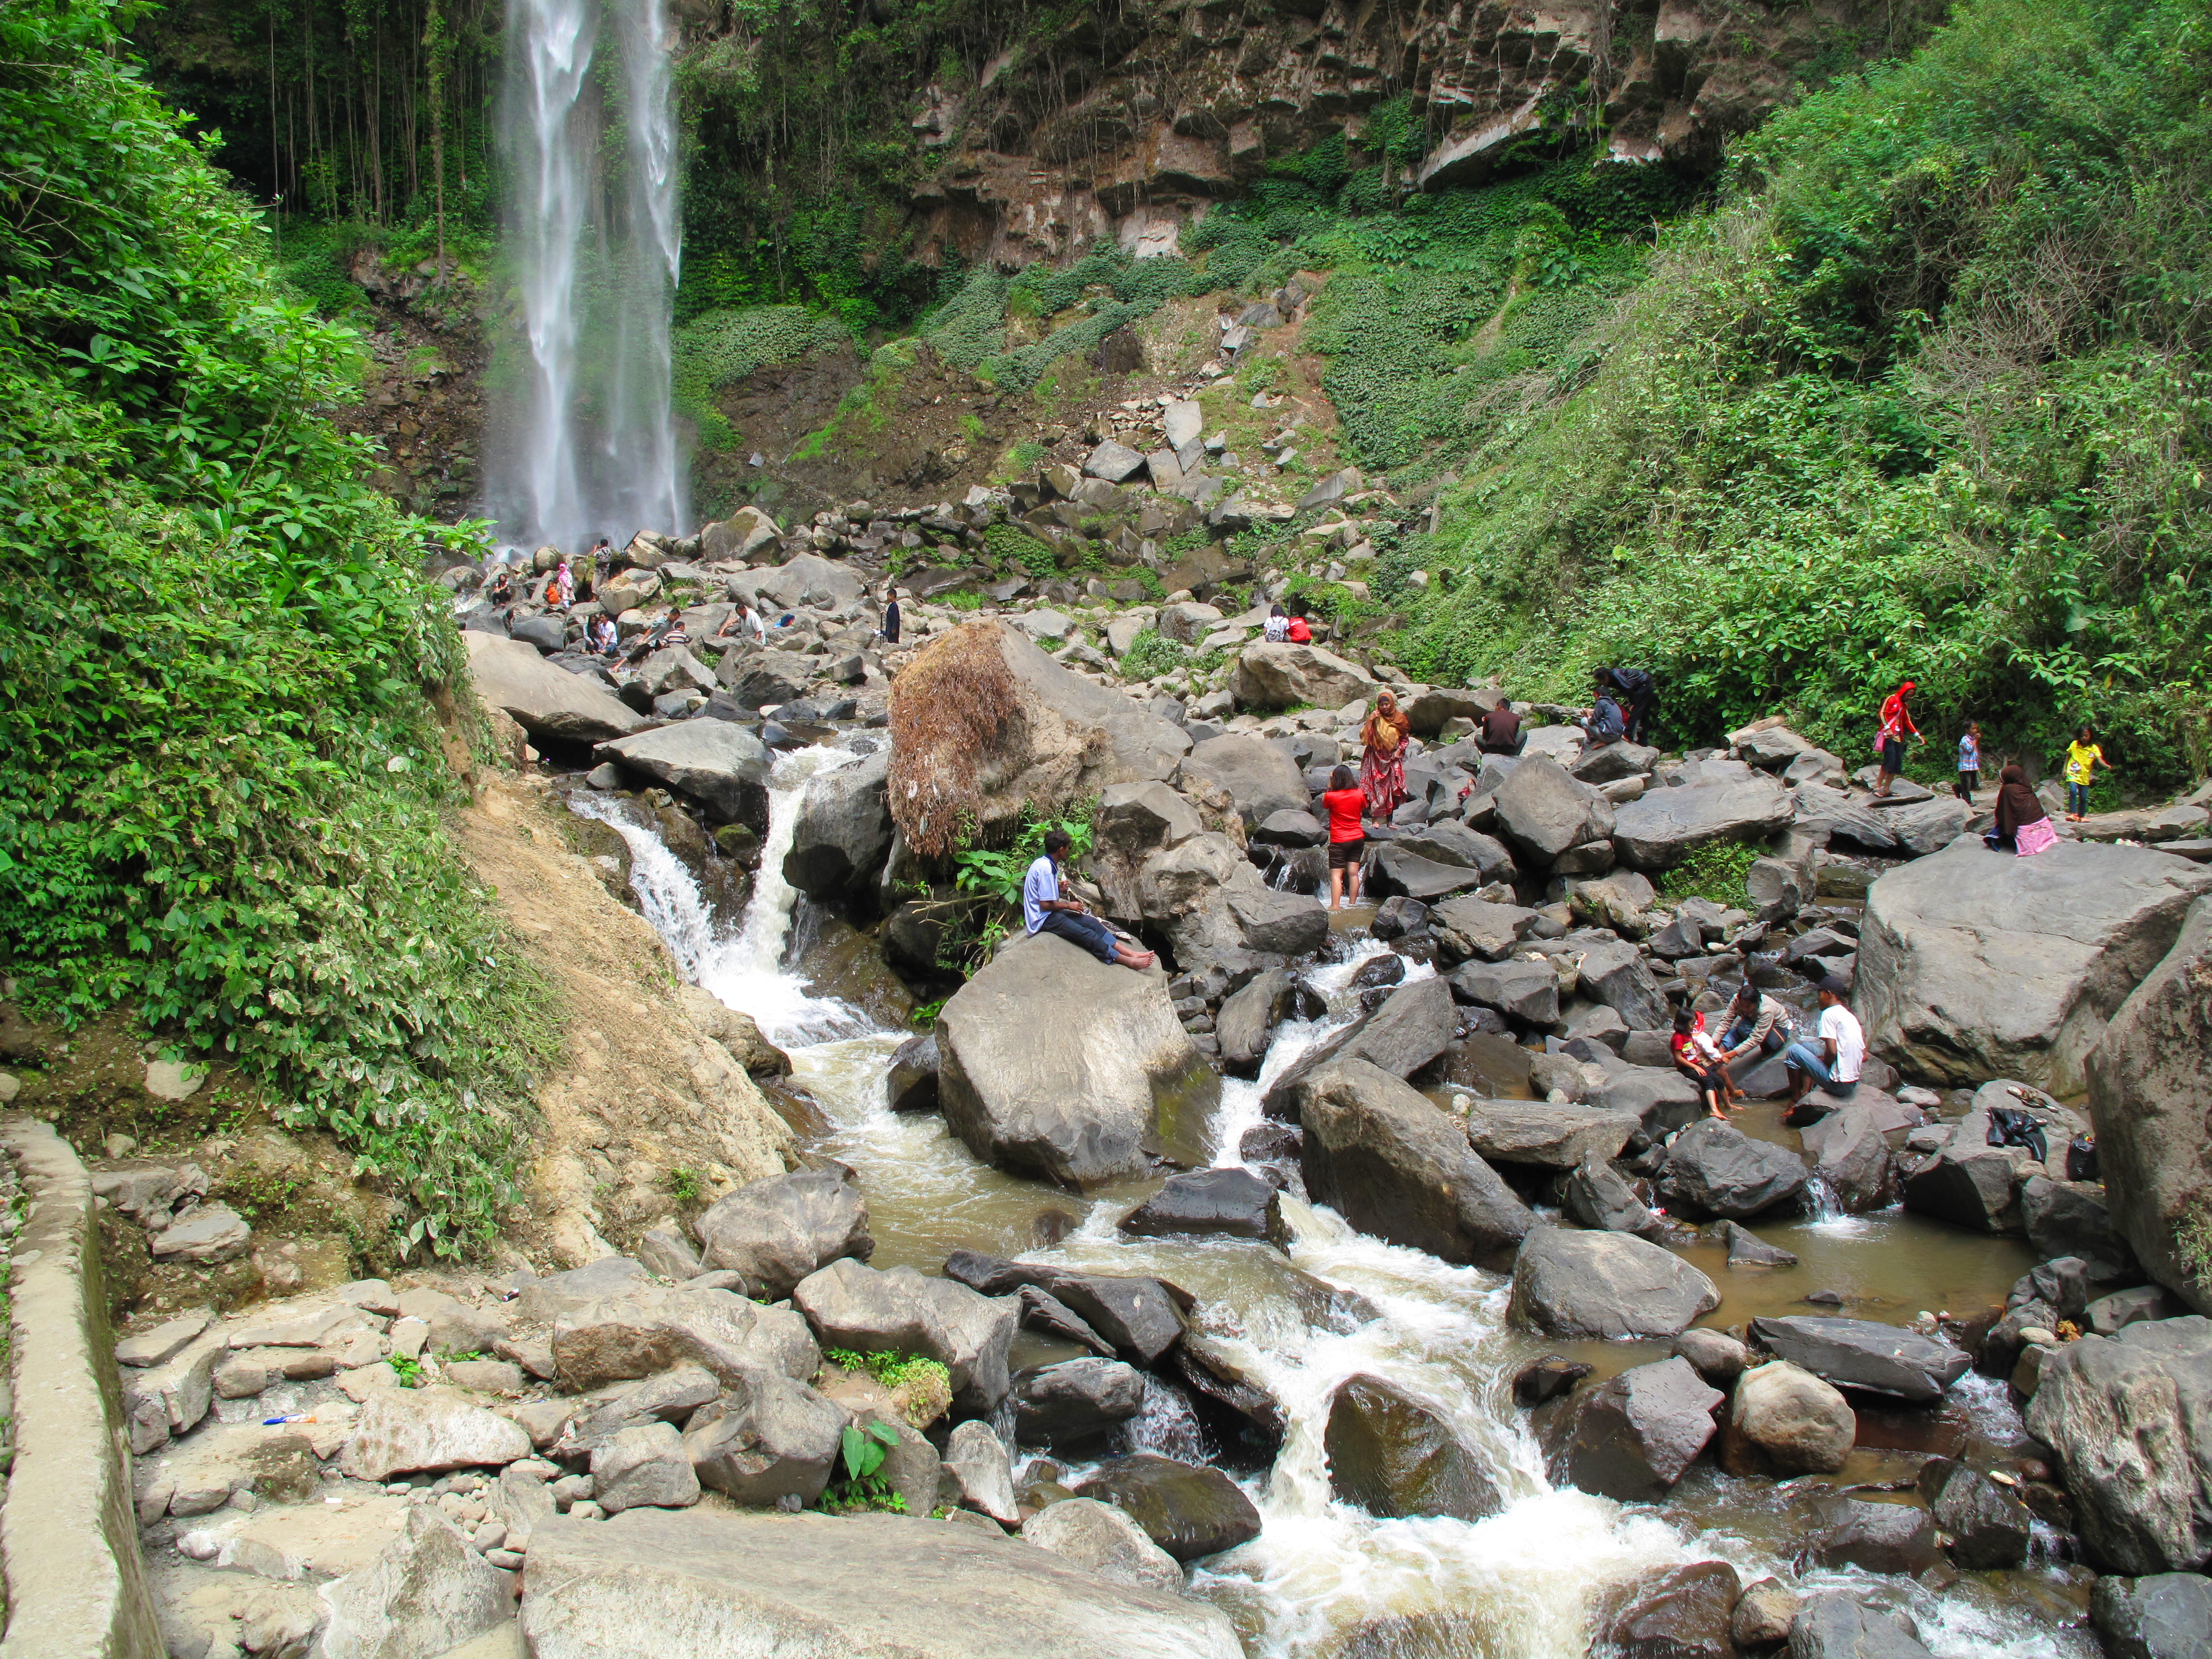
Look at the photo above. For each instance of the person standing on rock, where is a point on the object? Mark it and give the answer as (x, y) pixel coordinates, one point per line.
(891, 615)
(2083, 757)
(1384, 737)
(564, 587)
(1833, 1058)
(1969, 763)
(1896, 722)
(1345, 801)
(1043, 910)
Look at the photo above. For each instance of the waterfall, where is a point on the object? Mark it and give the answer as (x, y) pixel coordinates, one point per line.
(587, 442)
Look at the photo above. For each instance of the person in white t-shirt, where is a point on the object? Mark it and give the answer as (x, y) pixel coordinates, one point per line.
(1833, 1060)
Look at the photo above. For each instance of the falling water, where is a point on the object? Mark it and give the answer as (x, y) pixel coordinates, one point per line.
(588, 442)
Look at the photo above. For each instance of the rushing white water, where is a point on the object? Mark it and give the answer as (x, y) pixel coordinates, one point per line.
(1321, 1572)
(588, 442)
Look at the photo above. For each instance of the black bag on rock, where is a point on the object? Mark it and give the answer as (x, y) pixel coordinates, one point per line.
(2081, 1158)
(2010, 1126)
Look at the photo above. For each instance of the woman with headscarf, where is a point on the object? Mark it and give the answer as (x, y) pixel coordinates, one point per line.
(2023, 824)
(1896, 722)
(1383, 736)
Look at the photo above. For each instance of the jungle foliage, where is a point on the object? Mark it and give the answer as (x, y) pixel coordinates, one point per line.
(219, 773)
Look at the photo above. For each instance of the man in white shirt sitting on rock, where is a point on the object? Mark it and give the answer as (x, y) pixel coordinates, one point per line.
(1043, 910)
(1833, 1061)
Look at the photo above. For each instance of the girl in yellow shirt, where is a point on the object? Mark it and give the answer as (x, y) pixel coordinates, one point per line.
(2083, 757)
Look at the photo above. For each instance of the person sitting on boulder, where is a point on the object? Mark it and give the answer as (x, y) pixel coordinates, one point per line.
(1697, 1058)
(1833, 1058)
(1500, 732)
(1633, 690)
(1297, 630)
(603, 636)
(1043, 910)
(1757, 1023)
(1345, 802)
(1277, 628)
(1605, 723)
(2023, 822)
(501, 591)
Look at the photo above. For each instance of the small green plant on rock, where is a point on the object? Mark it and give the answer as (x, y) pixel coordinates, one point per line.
(1715, 871)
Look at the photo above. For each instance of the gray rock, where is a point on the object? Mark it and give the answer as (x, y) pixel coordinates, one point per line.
(1663, 1100)
(164, 1341)
(1396, 1165)
(1973, 965)
(1831, 1625)
(1100, 1538)
(1262, 779)
(764, 679)
(615, 1338)
(1135, 1315)
(203, 1234)
(1282, 676)
(1605, 1285)
(776, 1232)
(654, 1583)
(415, 1431)
(1466, 928)
(2166, 1615)
(1715, 1168)
(1055, 1064)
(1414, 1024)
(171, 1397)
(645, 1464)
(718, 763)
(1851, 1154)
(856, 1308)
(1610, 763)
(843, 832)
(1673, 1610)
(1988, 1527)
(546, 701)
(1597, 1195)
(1784, 1420)
(1714, 1355)
(1525, 991)
(1552, 1136)
(1858, 1353)
(1116, 463)
(811, 579)
(665, 1251)
(2108, 1316)
(1076, 1403)
(1614, 974)
(1449, 841)
(426, 1593)
(770, 1437)
(1746, 1248)
(1965, 1181)
(1248, 1018)
(1731, 803)
(1636, 1434)
(1875, 1537)
(1542, 811)
(1764, 1614)
(1230, 1203)
(978, 1469)
(2070, 1217)
(1394, 1456)
(1398, 870)
(911, 1083)
(1190, 1512)
(1291, 828)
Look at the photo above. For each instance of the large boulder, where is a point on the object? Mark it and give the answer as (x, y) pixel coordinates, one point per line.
(1550, 1136)
(1133, 821)
(773, 1233)
(1228, 1203)
(747, 534)
(1473, 927)
(1728, 802)
(1974, 964)
(1673, 1613)
(1206, 897)
(1834, 1624)
(1189, 1511)
(1038, 737)
(1054, 1064)
(2150, 1095)
(1542, 811)
(1605, 1285)
(652, 1583)
(411, 1430)
(425, 1592)
(1635, 1434)
(811, 579)
(1244, 1024)
(843, 832)
(1413, 1025)
(1394, 1456)
(1784, 1420)
(1715, 1168)
(1261, 778)
(1525, 991)
(1395, 1164)
(1858, 1353)
(1076, 1403)
(2130, 1419)
(770, 1439)
(1100, 1539)
(717, 763)
(640, 1332)
(1281, 676)
(1615, 975)
(857, 1309)
(2167, 1615)
(546, 701)
(1136, 1315)
(1850, 1154)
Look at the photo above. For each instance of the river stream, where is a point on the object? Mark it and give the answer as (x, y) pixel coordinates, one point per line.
(1324, 1578)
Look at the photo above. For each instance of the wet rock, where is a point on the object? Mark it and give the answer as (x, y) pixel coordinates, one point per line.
(1987, 1525)
(1546, 1378)
(1606, 1285)
(1636, 1434)
(1392, 1457)
(410, 1430)
(1783, 1420)
(614, 1339)
(1413, 1025)
(1676, 1612)
(1971, 967)
(843, 830)
(427, 1592)
(2150, 1096)
(1270, 675)
(1714, 1355)
(1525, 991)
(1764, 1613)
(1135, 1313)
(1398, 1166)
(2126, 1417)
(1209, 1371)
(1597, 1195)
(1832, 1624)
(1858, 1353)
(910, 1084)
(2167, 1615)
(1057, 1064)
(1851, 1154)
(770, 1437)
(1399, 917)
(1229, 1203)
(654, 1583)
(1043, 1311)
(1746, 1248)
(718, 763)
(978, 1473)
(1542, 811)
(1715, 1168)
(1248, 1018)
(1075, 1403)
(1897, 1538)
(776, 1232)
(1965, 1181)
(642, 1465)
(1100, 1539)
(856, 1308)
(1191, 1512)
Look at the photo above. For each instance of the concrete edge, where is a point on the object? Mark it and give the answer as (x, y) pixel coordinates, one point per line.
(68, 1538)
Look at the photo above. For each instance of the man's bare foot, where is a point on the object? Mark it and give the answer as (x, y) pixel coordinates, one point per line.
(1142, 960)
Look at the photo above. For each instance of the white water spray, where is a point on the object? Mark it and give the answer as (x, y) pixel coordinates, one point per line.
(588, 441)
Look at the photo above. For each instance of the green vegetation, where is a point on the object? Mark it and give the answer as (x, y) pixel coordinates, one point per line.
(861, 1451)
(891, 1370)
(1715, 871)
(1014, 548)
(1924, 397)
(721, 346)
(219, 773)
(1152, 652)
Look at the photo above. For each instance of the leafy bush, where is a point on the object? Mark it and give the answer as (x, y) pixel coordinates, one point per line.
(1152, 652)
(220, 775)
(722, 347)
(1010, 545)
(1715, 871)
(972, 324)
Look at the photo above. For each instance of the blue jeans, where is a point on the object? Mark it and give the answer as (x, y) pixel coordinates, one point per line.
(1092, 934)
(1801, 1057)
(1741, 1032)
(2077, 798)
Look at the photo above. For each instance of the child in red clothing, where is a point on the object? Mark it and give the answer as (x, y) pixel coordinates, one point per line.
(1697, 1058)
(1348, 836)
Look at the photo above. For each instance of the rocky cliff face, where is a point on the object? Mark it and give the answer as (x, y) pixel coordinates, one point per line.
(1124, 129)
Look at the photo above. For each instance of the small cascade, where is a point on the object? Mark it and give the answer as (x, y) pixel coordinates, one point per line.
(1821, 1204)
(1166, 1426)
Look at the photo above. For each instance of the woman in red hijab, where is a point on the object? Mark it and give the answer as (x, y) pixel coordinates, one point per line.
(1896, 722)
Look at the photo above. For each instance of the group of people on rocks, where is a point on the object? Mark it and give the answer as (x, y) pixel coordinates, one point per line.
(1831, 1058)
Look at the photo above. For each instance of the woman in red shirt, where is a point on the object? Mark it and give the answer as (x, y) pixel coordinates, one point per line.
(1347, 838)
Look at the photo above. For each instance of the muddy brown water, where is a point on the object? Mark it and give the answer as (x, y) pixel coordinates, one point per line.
(1324, 1580)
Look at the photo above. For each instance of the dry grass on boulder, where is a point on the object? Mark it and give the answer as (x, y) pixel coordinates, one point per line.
(950, 709)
